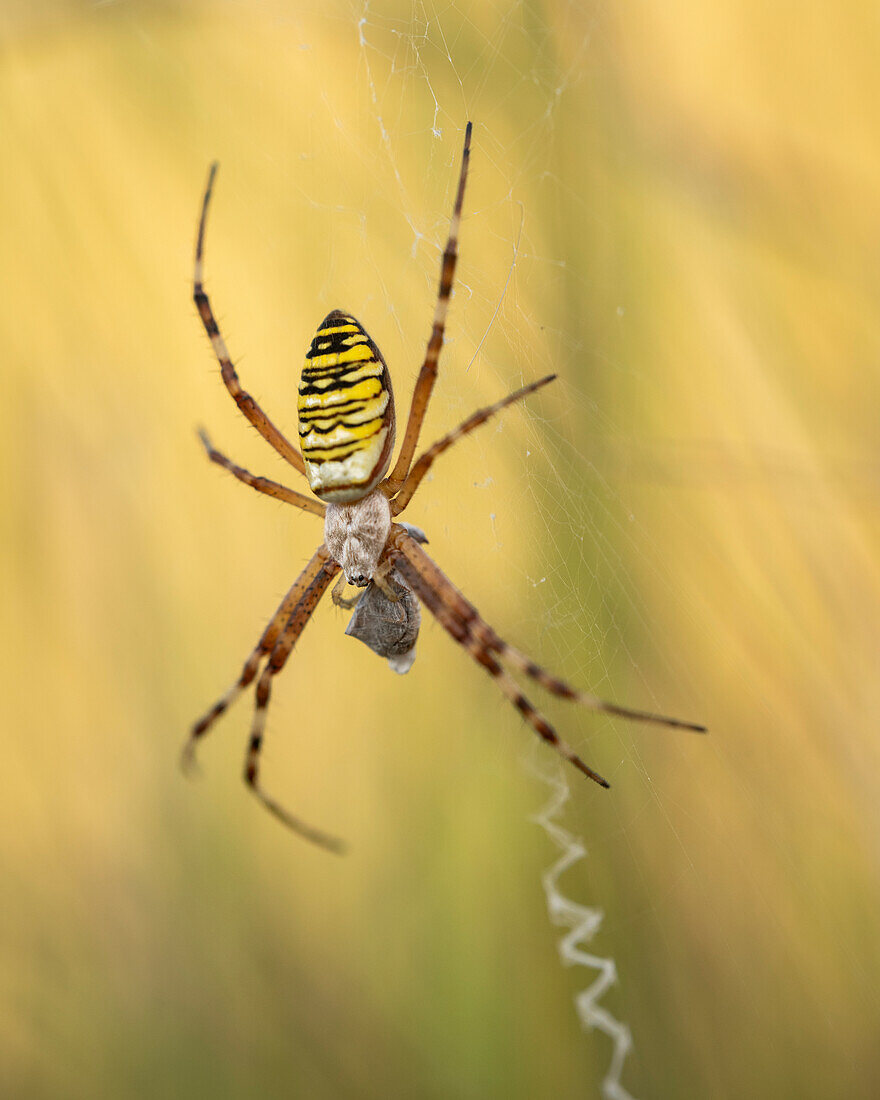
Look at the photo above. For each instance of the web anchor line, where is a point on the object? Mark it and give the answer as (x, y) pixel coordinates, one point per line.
(583, 923)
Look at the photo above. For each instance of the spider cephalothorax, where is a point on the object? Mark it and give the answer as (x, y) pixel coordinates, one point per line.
(346, 417)
(356, 535)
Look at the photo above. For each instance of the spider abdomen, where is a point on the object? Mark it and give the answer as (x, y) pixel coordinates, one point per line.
(346, 411)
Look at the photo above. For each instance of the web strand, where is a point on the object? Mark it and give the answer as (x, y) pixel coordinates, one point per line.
(582, 922)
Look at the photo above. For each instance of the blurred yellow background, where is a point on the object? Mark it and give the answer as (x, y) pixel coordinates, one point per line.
(675, 206)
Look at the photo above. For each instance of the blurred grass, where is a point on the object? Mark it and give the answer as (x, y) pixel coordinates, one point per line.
(689, 522)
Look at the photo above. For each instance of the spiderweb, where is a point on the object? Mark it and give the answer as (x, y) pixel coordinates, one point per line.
(424, 75)
(674, 208)
(583, 923)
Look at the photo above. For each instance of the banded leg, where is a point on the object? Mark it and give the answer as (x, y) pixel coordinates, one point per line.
(264, 647)
(435, 578)
(278, 658)
(555, 686)
(428, 373)
(466, 637)
(426, 460)
(262, 484)
(227, 371)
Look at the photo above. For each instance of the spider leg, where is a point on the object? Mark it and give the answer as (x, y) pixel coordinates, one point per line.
(381, 581)
(428, 373)
(418, 565)
(245, 402)
(262, 484)
(347, 603)
(264, 647)
(278, 658)
(467, 633)
(534, 717)
(426, 460)
(559, 687)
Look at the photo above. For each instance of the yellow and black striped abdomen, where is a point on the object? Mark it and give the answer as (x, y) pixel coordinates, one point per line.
(346, 411)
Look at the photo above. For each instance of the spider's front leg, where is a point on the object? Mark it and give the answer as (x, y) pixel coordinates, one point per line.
(277, 660)
(381, 579)
(263, 648)
(463, 622)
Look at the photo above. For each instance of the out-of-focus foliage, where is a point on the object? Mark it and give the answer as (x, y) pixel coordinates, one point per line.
(698, 189)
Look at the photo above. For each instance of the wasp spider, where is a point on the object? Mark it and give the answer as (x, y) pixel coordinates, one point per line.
(347, 430)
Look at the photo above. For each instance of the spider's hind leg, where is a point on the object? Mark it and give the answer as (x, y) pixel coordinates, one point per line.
(245, 402)
(428, 373)
(475, 420)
